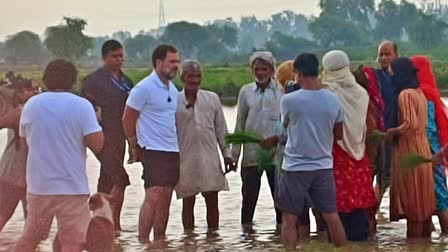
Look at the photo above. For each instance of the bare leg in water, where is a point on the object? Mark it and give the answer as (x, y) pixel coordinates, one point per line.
(117, 195)
(146, 218)
(211, 201)
(188, 213)
(162, 211)
(337, 232)
(289, 231)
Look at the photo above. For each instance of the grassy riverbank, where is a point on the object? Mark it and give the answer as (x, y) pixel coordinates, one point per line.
(226, 81)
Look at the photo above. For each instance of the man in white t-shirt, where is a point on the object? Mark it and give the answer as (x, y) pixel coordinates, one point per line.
(150, 124)
(57, 126)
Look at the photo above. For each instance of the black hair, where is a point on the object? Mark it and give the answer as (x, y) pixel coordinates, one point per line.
(110, 46)
(60, 74)
(307, 64)
(395, 47)
(161, 52)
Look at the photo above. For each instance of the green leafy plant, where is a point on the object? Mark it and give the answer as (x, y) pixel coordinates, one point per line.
(412, 161)
(243, 138)
(265, 158)
(376, 138)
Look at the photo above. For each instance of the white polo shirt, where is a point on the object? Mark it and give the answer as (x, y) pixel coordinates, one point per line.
(157, 104)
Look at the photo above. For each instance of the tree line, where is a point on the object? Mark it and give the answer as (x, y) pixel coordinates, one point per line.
(341, 23)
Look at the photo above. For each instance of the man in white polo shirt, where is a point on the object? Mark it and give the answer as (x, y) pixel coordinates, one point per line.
(150, 125)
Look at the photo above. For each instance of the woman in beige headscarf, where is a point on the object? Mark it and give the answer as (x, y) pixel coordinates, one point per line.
(353, 175)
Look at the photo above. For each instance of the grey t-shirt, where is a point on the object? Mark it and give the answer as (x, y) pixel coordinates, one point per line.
(310, 116)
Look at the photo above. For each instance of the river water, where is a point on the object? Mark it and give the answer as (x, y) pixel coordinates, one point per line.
(230, 237)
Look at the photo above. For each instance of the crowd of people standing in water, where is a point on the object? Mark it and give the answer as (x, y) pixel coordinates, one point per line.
(319, 125)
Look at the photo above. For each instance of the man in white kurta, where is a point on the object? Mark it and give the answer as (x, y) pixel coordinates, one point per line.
(201, 130)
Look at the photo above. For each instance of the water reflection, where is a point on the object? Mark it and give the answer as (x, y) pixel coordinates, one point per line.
(230, 237)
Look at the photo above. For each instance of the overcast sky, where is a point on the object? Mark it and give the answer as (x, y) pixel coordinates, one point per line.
(107, 16)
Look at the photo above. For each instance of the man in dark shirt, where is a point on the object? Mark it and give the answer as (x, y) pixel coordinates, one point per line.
(387, 52)
(108, 89)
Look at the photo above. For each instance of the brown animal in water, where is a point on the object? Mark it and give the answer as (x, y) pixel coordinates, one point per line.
(101, 232)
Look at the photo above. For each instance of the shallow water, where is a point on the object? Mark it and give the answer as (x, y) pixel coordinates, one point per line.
(230, 237)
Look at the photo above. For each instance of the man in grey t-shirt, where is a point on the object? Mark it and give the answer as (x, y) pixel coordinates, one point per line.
(313, 118)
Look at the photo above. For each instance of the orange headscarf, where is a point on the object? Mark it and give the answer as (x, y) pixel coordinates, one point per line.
(429, 87)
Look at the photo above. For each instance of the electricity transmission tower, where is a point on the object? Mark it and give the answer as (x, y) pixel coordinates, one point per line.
(162, 20)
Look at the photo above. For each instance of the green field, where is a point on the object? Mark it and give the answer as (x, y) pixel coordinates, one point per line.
(226, 81)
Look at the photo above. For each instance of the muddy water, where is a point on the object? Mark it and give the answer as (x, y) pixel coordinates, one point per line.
(230, 237)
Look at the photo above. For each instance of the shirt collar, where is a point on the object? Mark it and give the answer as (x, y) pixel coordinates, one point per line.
(158, 81)
(184, 97)
(106, 72)
(256, 87)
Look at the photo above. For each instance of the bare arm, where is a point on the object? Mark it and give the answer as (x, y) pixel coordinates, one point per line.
(338, 131)
(130, 117)
(95, 141)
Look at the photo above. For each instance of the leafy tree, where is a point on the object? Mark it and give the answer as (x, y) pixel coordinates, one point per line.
(2, 49)
(140, 46)
(330, 30)
(427, 31)
(225, 34)
(226, 22)
(408, 14)
(289, 23)
(300, 27)
(389, 24)
(68, 40)
(285, 47)
(333, 7)
(357, 11)
(187, 37)
(24, 48)
(121, 36)
(253, 33)
(97, 43)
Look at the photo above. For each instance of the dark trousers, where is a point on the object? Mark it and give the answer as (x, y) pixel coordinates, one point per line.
(251, 177)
